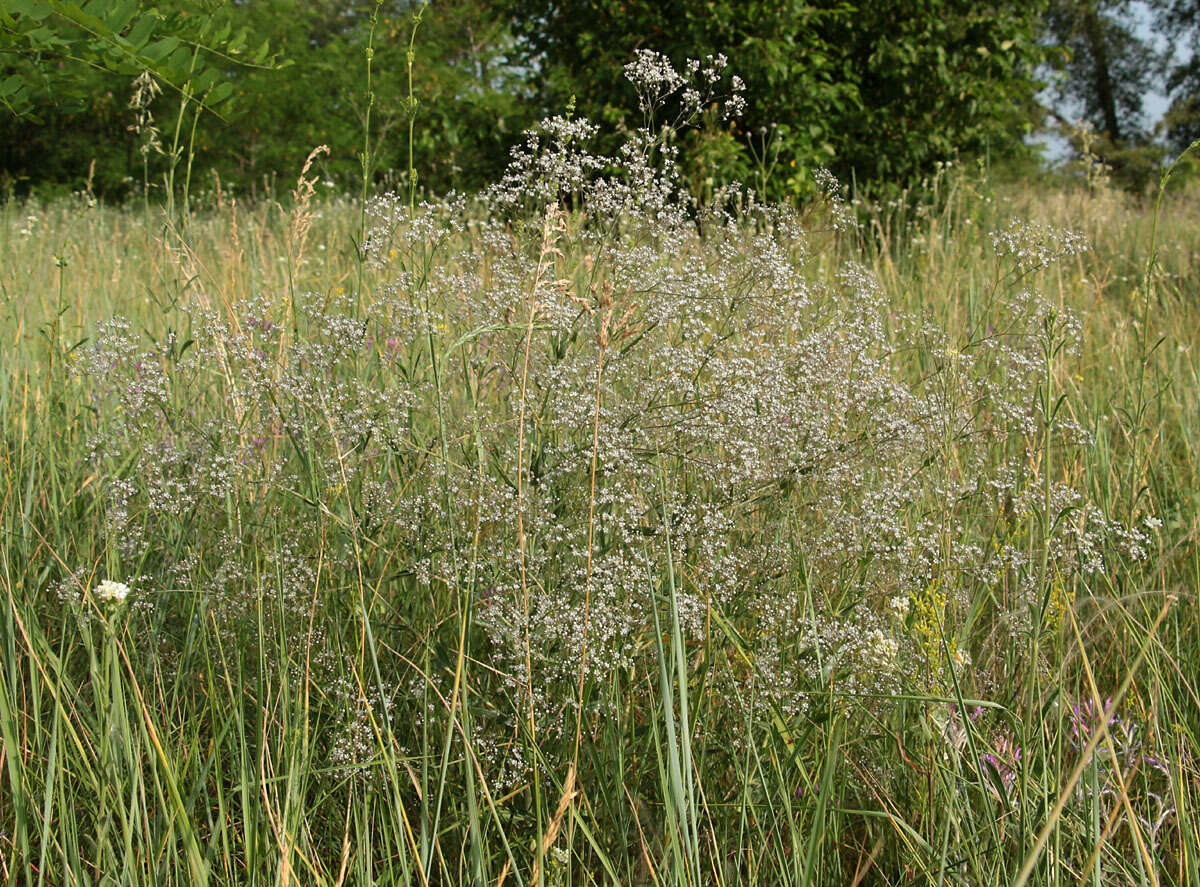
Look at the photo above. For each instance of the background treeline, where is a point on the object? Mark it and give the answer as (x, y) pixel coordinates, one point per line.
(125, 97)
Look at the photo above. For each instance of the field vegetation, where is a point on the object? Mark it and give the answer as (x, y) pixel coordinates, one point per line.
(582, 532)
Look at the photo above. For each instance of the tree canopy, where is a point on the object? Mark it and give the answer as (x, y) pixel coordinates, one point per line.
(880, 91)
(877, 90)
(1181, 19)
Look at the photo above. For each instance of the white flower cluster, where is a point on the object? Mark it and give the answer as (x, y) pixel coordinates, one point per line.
(1032, 245)
(111, 592)
(654, 76)
(596, 406)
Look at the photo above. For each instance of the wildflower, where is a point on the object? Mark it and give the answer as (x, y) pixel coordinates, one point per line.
(882, 648)
(1032, 246)
(809, 414)
(1004, 762)
(1084, 718)
(112, 592)
(950, 726)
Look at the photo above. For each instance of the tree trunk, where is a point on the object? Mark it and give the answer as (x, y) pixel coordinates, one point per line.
(1094, 31)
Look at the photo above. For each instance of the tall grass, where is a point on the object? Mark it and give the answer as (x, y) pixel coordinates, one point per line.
(408, 608)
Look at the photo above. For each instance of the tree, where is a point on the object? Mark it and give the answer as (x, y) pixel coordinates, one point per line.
(1180, 21)
(876, 89)
(63, 66)
(74, 117)
(1105, 67)
(466, 109)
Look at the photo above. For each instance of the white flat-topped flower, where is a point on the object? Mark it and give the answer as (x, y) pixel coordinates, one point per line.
(110, 591)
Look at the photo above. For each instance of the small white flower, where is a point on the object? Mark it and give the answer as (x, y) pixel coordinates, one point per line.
(882, 648)
(112, 592)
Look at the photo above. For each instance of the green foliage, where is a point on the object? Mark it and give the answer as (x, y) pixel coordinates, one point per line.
(1181, 19)
(65, 69)
(1105, 70)
(939, 78)
(878, 91)
(1106, 67)
(73, 92)
(465, 102)
(177, 43)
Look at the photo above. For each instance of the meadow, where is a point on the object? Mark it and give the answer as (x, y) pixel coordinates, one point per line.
(580, 533)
